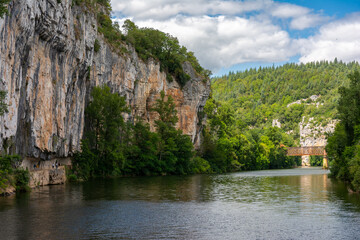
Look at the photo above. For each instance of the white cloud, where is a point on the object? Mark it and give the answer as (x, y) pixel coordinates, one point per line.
(165, 9)
(307, 21)
(225, 41)
(288, 10)
(223, 33)
(339, 39)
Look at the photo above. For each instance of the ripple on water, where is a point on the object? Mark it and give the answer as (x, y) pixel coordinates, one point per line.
(271, 204)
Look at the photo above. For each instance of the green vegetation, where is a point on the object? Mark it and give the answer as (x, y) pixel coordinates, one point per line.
(316, 161)
(110, 30)
(152, 43)
(148, 42)
(344, 144)
(113, 147)
(3, 7)
(10, 175)
(260, 96)
(239, 133)
(93, 5)
(229, 146)
(3, 105)
(97, 45)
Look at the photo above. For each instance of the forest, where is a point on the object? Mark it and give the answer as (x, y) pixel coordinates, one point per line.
(258, 96)
(238, 134)
(344, 144)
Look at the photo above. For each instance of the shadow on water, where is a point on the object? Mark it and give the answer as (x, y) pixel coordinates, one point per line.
(199, 206)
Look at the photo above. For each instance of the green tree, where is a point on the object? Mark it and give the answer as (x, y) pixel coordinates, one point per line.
(152, 43)
(175, 148)
(3, 7)
(344, 144)
(349, 106)
(102, 149)
(142, 153)
(3, 105)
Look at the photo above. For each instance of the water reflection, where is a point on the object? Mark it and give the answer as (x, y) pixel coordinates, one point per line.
(298, 203)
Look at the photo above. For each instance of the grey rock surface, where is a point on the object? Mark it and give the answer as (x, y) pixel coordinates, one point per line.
(48, 67)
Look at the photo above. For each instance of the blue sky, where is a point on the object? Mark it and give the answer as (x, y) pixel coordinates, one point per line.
(231, 35)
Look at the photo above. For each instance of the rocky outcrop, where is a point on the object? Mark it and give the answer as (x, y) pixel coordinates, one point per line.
(47, 177)
(313, 133)
(48, 67)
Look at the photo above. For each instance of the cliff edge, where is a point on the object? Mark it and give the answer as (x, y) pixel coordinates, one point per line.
(48, 67)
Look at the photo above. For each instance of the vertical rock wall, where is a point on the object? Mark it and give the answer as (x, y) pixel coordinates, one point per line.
(48, 67)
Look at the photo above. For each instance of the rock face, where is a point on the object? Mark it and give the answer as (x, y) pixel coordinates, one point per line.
(312, 134)
(48, 67)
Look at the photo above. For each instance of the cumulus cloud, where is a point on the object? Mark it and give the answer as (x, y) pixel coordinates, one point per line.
(223, 33)
(165, 9)
(288, 10)
(339, 39)
(225, 41)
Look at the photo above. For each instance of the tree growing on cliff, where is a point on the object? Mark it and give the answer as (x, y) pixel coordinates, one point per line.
(102, 148)
(152, 43)
(175, 148)
(3, 7)
(3, 105)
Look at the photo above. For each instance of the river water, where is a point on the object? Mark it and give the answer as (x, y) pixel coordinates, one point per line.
(274, 204)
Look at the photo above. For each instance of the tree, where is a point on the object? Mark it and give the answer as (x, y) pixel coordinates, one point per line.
(344, 144)
(152, 43)
(102, 148)
(349, 105)
(3, 7)
(142, 153)
(175, 149)
(3, 105)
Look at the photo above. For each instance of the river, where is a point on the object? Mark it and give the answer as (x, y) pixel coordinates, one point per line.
(297, 203)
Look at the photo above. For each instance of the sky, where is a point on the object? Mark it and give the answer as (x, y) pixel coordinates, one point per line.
(234, 35)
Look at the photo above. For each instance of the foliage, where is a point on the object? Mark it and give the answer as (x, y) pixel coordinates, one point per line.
(97, 45)
(229, 146)
(102, 147)
(142, 155)
(110, 30)
(22, 178)
(259, 96)
(10, 175)
(316, 161)
(92, 5)
(152, 43)
(3, 7)
(175, 149)
(3, 105)
(112, 147)
(344, 144)
(148, 42)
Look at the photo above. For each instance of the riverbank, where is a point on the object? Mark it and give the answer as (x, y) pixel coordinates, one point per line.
(42, 173)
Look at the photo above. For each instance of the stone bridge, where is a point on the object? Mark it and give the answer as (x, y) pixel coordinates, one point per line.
(309, 151)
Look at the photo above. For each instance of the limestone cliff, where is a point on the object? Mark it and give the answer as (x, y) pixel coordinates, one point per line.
(48, 67)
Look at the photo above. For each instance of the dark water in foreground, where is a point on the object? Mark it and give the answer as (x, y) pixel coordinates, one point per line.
(275, 204)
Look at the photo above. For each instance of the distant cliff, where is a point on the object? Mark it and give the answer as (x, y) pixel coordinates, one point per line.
(48, 67)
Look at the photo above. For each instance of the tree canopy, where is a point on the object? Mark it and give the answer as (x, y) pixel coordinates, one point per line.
(344, 144)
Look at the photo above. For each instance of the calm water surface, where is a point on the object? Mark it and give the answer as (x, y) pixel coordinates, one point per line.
(275, 204)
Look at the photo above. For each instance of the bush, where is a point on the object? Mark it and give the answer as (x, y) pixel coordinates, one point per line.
(72, 178)
(200, 165)
(22, 178)
(96, 45)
